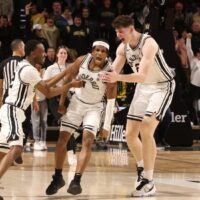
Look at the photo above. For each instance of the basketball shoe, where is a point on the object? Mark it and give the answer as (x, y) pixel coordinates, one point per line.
(74, 188)
(144, 189)
(140, 173)
(55, 185)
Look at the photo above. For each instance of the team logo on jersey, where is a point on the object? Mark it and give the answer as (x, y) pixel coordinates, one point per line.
(132, 59)
(91, 80)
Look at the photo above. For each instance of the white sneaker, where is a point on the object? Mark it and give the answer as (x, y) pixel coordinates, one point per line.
(43, 144)
(140, 174)
(38, 147)
(145, 189)
(72, 160)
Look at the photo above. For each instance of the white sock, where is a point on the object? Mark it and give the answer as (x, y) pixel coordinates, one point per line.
(140, 163)
(148, 175)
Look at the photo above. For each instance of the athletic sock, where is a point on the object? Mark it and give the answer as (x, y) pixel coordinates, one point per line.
(58, 172)
(148, 175)
(140, 163)
(77, 177)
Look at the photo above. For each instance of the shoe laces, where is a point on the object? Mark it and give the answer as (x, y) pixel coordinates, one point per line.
(143, 182)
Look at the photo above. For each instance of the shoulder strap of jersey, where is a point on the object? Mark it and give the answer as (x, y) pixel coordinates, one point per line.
(86, 59)
(20, 70)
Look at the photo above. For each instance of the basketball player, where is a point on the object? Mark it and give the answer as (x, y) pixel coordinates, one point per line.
(85, 107)
(153, 95)
(20, 96)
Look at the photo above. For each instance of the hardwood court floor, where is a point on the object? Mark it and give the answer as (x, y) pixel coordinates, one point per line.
(109, 176)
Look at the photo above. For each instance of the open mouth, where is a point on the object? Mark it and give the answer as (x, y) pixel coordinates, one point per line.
(98, 59)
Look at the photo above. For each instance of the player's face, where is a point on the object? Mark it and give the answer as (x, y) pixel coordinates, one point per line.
(124, 33)
(99, 54)
(40, 54)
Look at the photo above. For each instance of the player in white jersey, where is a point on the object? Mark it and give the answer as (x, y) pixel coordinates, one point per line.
(153, 95)
(20, 96)
(85, 108)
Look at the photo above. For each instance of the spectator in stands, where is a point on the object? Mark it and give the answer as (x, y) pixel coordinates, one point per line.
(50, 57)
(39, 117)
(6, 36)
(90, 22)
(38, 35)
(196, 15)
(106, 14)
(76, 36)
(67, 14)
(59, 20)
(63, 59)
(6, 8)
(194, 60)
(37, 17)
(51, 32)
(195, 35)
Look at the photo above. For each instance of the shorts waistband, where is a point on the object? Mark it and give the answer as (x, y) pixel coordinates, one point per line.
(14, 106)
(85, 102)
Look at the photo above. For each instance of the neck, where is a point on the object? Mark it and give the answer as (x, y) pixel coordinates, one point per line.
(16, 54)
(61, 62)
(135, 39)
(30, 60)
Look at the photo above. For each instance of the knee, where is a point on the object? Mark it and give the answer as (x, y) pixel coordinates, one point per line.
(63, 139)
(88, 141)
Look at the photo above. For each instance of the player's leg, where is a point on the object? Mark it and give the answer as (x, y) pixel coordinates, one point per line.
(91, 123)
(60, 154)
(135, 146)
(8, 159)
(82, 161)
(159, 101)
(70, 122)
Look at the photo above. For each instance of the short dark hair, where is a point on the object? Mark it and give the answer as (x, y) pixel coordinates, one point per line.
(15, 44)
(30, 46)
(122, 21)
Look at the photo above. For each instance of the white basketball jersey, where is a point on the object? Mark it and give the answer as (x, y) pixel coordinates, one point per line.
(94, 89)
(22, 90)
(158, 72)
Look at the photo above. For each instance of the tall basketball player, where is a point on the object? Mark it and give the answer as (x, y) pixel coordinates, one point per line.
(153, 95)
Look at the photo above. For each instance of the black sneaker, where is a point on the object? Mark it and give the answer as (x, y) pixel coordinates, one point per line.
(55, 185)
(1, 198)
(18, 160)
(74, 188)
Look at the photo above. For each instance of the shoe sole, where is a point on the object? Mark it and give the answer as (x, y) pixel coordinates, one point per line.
(74, 191)
(150, 194)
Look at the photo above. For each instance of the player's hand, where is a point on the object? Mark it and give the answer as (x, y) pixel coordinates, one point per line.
(77, 83)
(62, 109)
(189, 35)
(109, 77)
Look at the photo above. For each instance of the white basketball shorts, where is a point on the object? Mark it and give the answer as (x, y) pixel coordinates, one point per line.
(151, 98)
